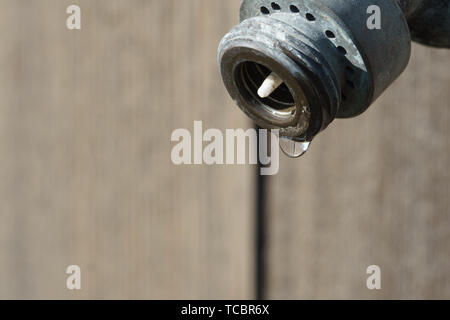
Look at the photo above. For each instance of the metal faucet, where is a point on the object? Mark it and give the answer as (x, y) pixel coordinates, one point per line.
(296, 65)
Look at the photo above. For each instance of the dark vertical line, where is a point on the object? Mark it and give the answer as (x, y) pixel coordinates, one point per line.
(260, 209)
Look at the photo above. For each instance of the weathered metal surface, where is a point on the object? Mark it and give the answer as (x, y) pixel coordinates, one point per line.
(330, 62)
(429, 21)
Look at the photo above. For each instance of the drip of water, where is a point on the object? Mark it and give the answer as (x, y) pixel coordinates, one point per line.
(292, 148)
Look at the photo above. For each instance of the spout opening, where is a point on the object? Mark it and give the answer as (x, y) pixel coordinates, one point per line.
(279, 105)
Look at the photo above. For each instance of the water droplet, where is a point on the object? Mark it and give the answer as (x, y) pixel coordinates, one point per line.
(292, 148)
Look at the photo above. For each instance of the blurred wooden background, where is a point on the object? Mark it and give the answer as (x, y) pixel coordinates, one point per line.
(86, 177)
(371, 190)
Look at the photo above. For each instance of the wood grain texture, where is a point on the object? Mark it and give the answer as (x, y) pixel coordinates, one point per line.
(371, 190)
(86, 177)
